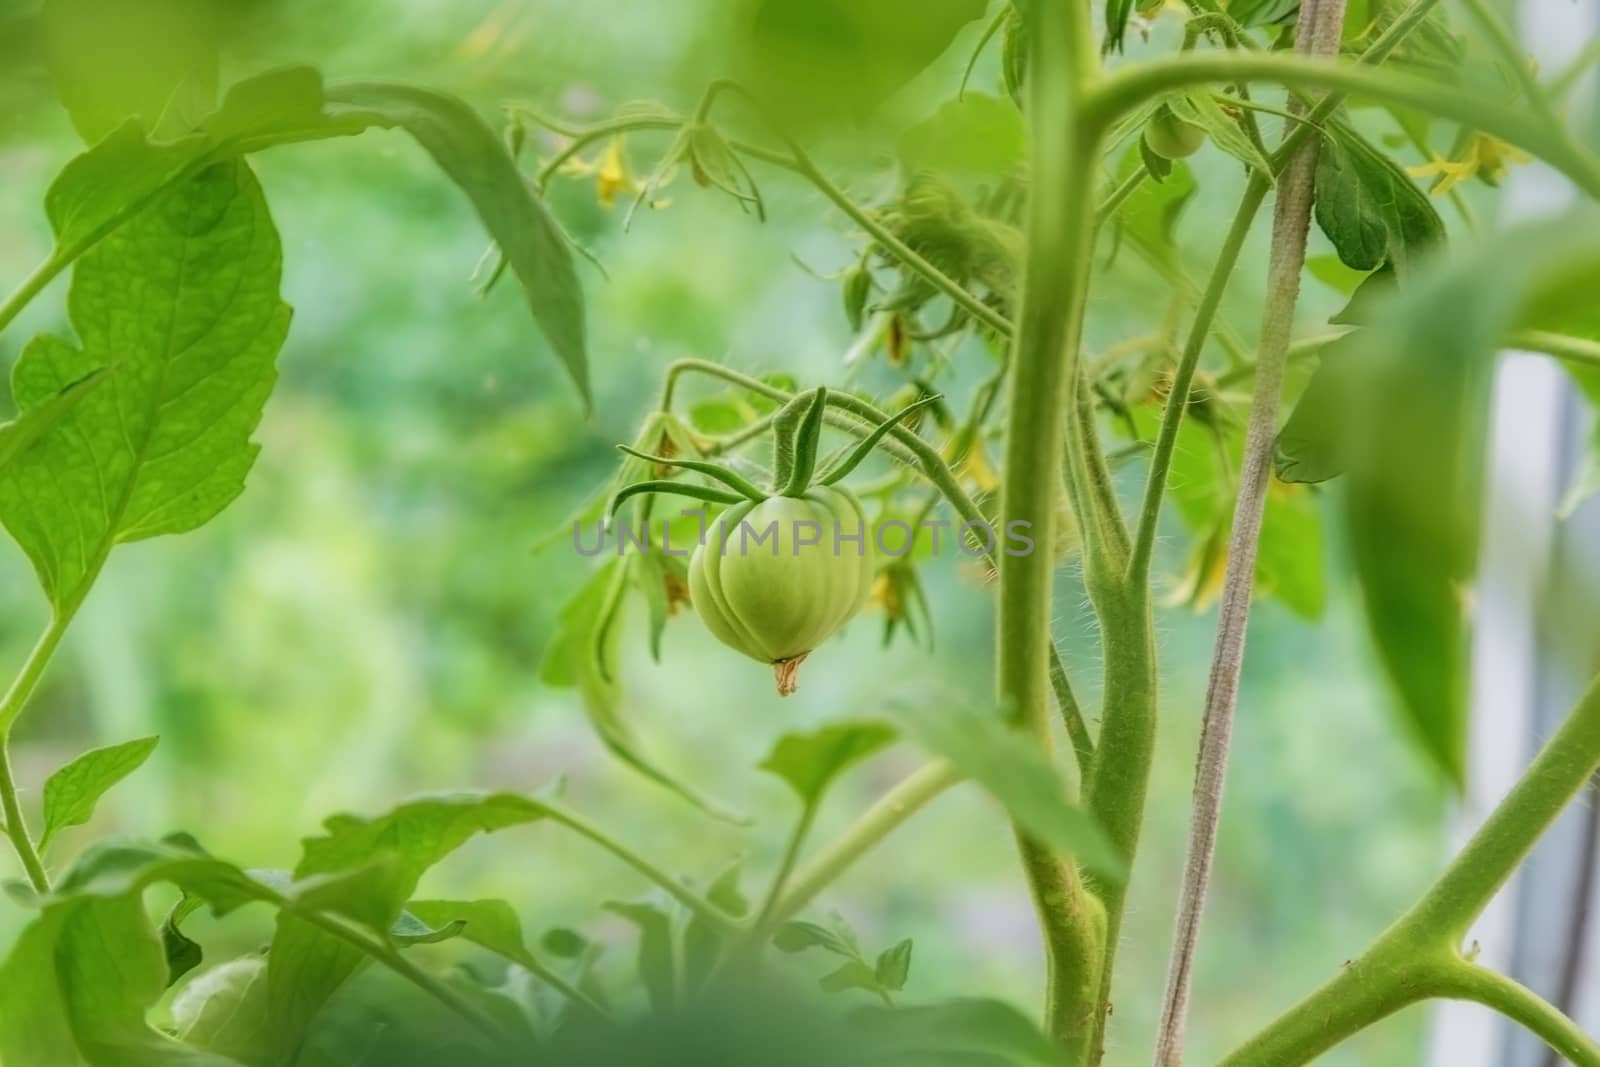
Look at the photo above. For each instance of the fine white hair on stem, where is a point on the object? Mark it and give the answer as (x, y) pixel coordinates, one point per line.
(1319, 29)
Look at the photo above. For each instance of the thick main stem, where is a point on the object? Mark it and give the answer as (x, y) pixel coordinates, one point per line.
(1044, 365)
(1320, 25)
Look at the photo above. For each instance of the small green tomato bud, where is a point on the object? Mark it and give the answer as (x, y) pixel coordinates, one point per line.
(857, 288)
(1170, 137)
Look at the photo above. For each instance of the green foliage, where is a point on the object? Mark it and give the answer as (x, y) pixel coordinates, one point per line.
(1413, 383)
(180, 308)
(821, 61)
(71, 793)
(882, 976)
(1369, 208)
(365, 870)
(976, 134)
(961, 1033)
(114, 58)
(810, 762)
(144, 424)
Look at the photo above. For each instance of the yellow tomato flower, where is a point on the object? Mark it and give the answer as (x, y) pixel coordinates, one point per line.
(1485, 156)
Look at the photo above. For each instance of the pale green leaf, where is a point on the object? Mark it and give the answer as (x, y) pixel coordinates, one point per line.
(976, 134)
(112, 59)
(810, 762)
(71, 793)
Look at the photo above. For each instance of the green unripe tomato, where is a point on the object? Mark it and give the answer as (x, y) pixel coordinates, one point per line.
(773, 580)
(1170, 137)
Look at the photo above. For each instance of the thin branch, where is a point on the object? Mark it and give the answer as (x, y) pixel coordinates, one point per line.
(873, 825)
(1320, 25)
(1467, 981)
(1071, 715)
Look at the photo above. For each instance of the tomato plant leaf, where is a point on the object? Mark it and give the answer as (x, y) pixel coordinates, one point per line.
(120, 174)
(183, 952)
(111, 59)
(306, 964)
(966, 1032)
(21, 432)
(408, 929)
(224, 1010)
(89, 966)
(798, 935)
(1013, 770)
(820, 61)
(78, 983)
(893, 966)
(1404, 418)
(180, 307)
(810, 762)
(657, 958)
(71, 793)
(702, 942)
(489, 924)
(1368, 207)
(1251, 13)
(976, 134)
(472, 155)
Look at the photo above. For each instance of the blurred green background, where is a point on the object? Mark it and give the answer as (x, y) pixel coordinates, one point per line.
(367, 621)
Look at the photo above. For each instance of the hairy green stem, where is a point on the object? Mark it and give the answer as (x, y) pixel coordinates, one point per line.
(1120, 779)
(1045, 367)
(1320, 25)
(1405, 963)
(907, 798)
